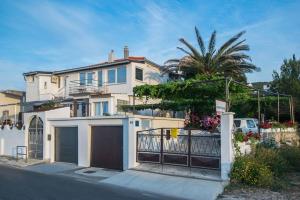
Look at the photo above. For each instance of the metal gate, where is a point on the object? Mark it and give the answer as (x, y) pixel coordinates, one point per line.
(190, 148)
(35, 141)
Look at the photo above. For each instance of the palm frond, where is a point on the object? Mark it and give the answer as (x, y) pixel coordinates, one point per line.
(194, 51)
(212, 43)
(200, 42)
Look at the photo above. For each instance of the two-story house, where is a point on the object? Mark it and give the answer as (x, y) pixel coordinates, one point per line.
(11, 102)
(93, 90)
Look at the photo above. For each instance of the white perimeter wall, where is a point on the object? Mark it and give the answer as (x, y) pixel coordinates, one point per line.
(45, 115)
(129, 134)
(10, 139)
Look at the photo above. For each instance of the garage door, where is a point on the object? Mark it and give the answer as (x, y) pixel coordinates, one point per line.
(66, 144)
(107, 147)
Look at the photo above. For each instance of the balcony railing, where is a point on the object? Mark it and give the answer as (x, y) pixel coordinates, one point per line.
(86, 87)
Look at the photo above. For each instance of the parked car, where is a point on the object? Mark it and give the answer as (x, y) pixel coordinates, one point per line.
(246, 124)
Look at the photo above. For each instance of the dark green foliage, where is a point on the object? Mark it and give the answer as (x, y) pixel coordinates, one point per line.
(292, 156)
(265, 166)
(273, 159)
(250, 171)
(287, 81)
(190, 94)
(229, 60)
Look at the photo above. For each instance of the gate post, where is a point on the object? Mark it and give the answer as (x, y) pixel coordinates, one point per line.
(227, 150)
(161, 145)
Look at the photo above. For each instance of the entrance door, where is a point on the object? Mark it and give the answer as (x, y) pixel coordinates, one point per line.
(35, 140)
(107, 147)
(66, 144)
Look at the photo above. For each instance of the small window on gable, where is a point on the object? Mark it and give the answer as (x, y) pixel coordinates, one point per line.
(139, 74)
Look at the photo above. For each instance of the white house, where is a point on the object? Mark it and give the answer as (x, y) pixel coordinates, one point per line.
(90, 130)
(93, 90)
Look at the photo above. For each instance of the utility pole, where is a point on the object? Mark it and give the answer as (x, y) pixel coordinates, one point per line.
(258, 106)
(278, 107)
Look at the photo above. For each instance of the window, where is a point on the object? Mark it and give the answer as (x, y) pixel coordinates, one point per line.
(111, 76)
(5, 114)
(100, 79)
(45, 85)
(82, 78)
(121, 74)
(105, 107)
(90, 78)
(101, 108)
(237, 123)
(139, 74)
(250, 124)
(98, 109)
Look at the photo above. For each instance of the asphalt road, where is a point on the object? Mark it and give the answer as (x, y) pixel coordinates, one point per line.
(21, 184)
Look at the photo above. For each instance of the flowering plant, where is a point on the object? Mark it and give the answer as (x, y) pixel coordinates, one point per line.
(289, 124)
(241, 137)
(266, 125)
(206, 122)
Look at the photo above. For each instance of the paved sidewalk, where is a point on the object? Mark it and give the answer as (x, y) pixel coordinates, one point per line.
(97, 172)
(52, 168)
(10, 161)
(180, 187)
(206, 174)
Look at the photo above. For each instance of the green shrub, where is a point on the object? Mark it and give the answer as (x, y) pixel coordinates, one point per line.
(268, 143)
(292, 155)
(250, 171)
(239, 136)
(273, 159)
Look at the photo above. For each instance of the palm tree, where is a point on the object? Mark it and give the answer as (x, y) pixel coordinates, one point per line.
(229, 60)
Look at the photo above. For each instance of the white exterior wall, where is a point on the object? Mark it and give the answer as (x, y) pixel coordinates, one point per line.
(35, 90)
(151, 75)
(59, 113)
(84, 135)
(10, 139)
(129, 134)
(50, 91)
(32, 89)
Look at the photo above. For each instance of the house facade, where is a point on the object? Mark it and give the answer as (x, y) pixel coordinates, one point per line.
(10, 105)
(94, 90)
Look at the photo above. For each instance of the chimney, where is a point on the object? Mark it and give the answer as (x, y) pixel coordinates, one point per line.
(111, 56)
(126, 52)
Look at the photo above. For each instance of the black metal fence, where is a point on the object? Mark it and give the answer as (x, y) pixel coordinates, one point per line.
(190, 148)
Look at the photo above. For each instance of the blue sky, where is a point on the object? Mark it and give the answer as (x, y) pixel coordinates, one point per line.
(51, 35)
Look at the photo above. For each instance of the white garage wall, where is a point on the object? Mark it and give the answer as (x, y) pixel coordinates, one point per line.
(84, 134)
(84, 125)
(10, 139)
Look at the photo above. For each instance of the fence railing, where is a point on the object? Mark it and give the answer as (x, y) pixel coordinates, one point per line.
(78, 87)
(190, 148)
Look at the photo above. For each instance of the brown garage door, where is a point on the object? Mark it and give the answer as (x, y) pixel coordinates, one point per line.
(107, 147)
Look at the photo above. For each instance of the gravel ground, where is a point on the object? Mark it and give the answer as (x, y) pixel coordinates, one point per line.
(292, 191)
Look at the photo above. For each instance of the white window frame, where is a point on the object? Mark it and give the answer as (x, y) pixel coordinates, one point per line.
(101, 107)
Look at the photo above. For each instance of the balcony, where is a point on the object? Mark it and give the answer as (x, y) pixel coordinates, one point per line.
(86, 87)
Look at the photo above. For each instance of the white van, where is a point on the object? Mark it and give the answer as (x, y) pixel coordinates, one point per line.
(246, 124)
